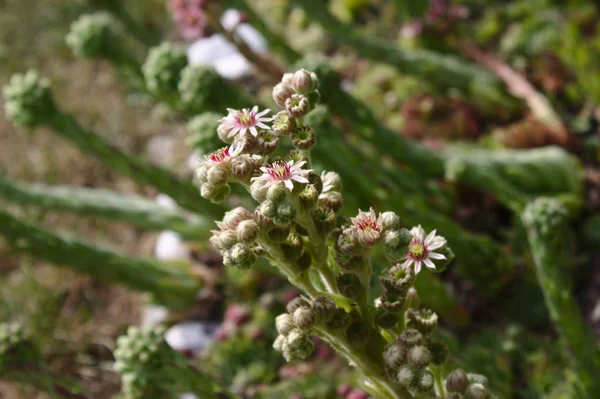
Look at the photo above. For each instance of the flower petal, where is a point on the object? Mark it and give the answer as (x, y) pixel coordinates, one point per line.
(429, 263)
(435, 255)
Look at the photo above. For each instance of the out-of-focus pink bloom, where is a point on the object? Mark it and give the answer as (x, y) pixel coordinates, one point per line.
(344, 390)
(237, 314)
(358, 394)
(189, 17)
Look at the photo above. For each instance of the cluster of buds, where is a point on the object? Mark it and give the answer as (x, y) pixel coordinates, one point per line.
(461, 385)
(297, 93)
(95, 36)
(295, 326)
(28, 99)
(139, 358)
(162, 70)
(236, 238)
(297, 228)
(16, 348)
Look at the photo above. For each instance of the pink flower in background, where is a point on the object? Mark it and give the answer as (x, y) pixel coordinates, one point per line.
(189, 17)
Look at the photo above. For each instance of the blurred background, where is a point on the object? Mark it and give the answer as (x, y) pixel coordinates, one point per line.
(544, 54)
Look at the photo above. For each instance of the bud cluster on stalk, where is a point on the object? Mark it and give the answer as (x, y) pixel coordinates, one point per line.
(296, 226)
(461, 385)
(295, 326)
(16, 348)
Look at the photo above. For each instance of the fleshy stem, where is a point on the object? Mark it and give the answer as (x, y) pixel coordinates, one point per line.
(438, 373)
(375, 380)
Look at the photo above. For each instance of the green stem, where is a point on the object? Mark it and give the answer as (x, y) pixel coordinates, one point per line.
(547, 231)
(375, 379)
(439, 380)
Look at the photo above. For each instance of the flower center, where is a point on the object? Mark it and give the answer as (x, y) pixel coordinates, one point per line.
(246, 118)
(368, 225)
(220, 155)
(417, 250)
(279, 171)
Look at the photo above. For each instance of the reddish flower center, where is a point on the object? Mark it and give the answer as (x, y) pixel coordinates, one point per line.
(417, 250)
(246, 118)
(220, 155)
(279, 171)
(368, 225)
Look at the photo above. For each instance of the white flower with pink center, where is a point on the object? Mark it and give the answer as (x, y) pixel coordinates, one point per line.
(421, 249)
(242, 121)
(283, 172)
(366, 228)
(225, 154)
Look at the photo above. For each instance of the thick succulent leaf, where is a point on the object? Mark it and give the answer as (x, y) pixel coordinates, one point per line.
(133, 209)
(169, 284)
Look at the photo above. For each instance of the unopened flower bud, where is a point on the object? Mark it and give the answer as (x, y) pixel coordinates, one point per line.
(278, 343)
(304, 318)
(223, 131)
(268, 209)
(479, 379)
(346, 245)
(476, 391)
(292, 247)
(308, 197)
(247, 231)
(296, 338)
(297, 106)
(425, 380)
(397, 279)
(304, 81)
(442, 264)
(392, 302)
(406, 375)
(227, 239)
(419, 355)
(304, 138)
(332, 200)
(287, 79)
(357, 333)
(457, 381)
(324, 308)
(410, 338)
(349, 284)
(279, 233)
(331, 181)
(313, 99)
(281, 92)
(285, 213)
(287, 351)
(424, 320)
(235, 216)
(216, 194)
(386, 319)
(217, 174)
(339, 319)
(296, 303)
(439, 352)
(268, 141)
(304, 261)
(324, 220)
(162, 70)
(242, 167)
(389, 221)
(202, 174)
(258, 191)
(277, 193)
(283, 124)
(242, 256)
(394, 356)
(284, 324)
(28, 99)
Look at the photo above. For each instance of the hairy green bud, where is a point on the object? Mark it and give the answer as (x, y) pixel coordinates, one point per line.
(28, 99)
(162, 70)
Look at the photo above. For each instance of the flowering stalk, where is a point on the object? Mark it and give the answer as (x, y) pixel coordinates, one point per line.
(150, 368)
(29, 103)
(297, 228)
(21, 361)
(546, 222)
(171, 286)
